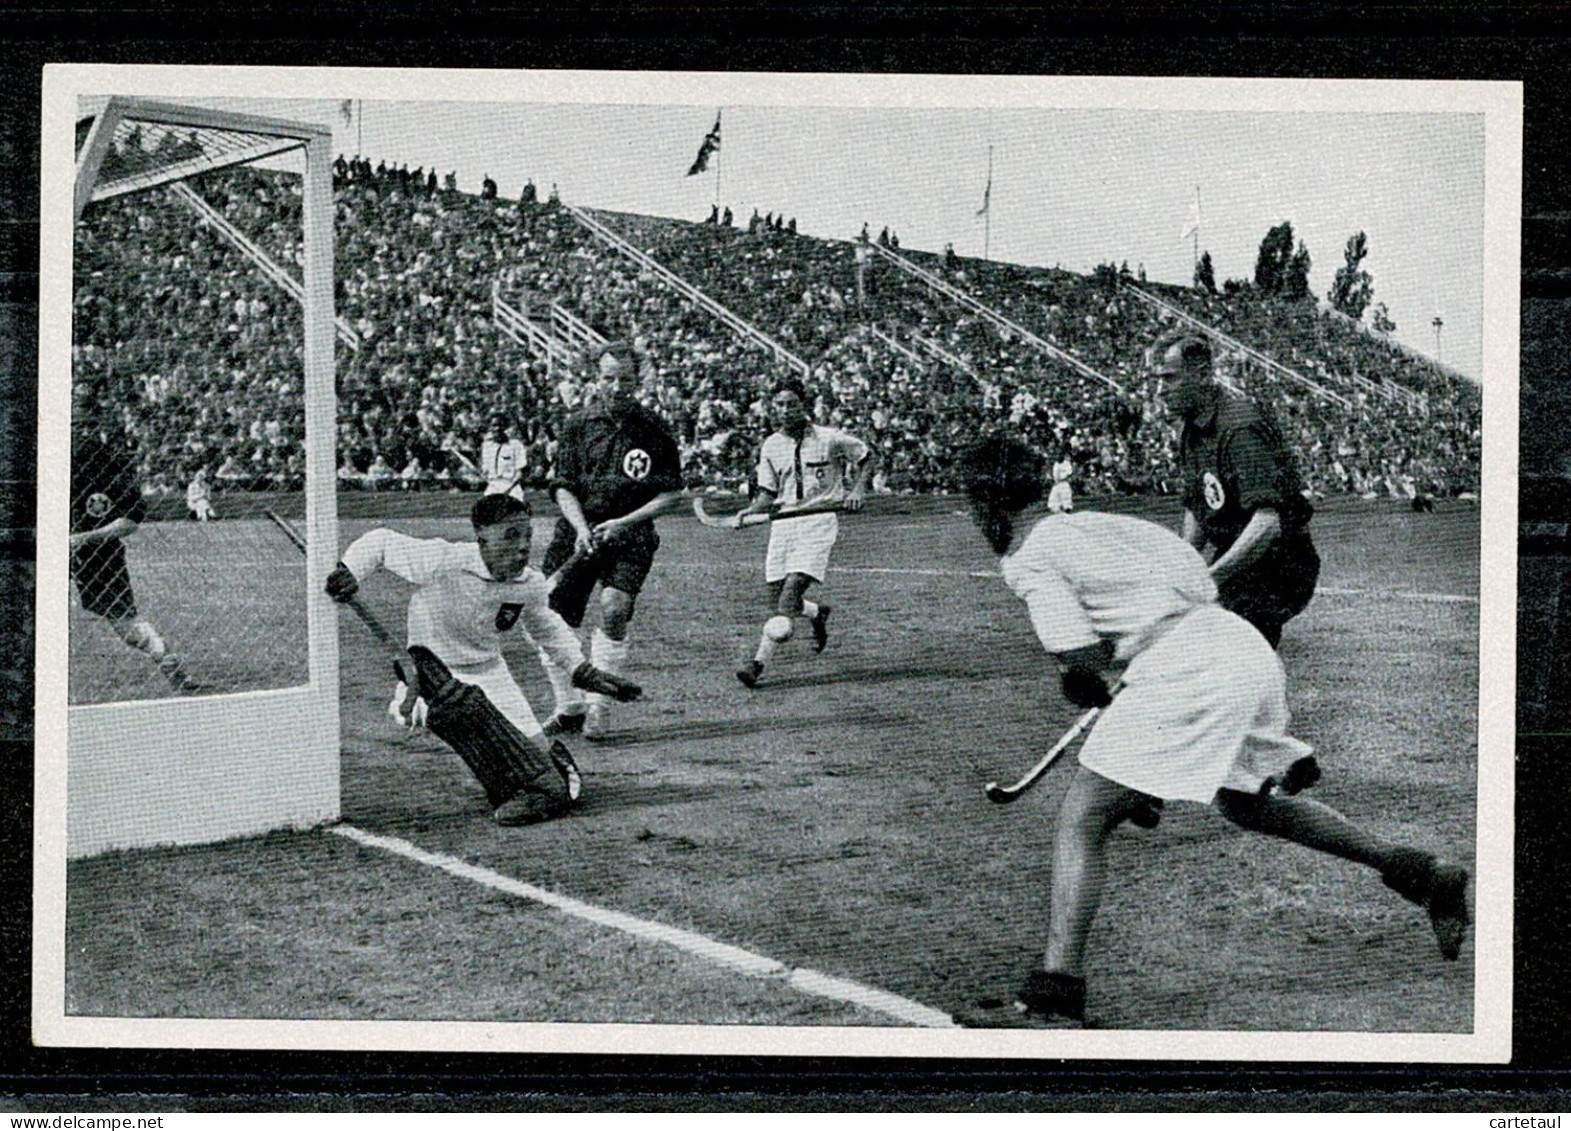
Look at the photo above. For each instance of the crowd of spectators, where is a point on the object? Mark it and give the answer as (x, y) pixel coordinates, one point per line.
(203, 355)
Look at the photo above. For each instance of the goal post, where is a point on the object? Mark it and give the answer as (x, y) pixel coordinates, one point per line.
(203, 654)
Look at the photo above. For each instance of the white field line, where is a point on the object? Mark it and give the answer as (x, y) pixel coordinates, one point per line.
(720, 954)
(1324, 590)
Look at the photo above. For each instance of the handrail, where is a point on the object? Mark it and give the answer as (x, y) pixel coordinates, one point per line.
(697, 297)
(1250, 352)
(524, 330)
(976, 306)
(269, 267)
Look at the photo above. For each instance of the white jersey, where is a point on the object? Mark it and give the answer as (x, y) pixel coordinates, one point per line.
(502, 462)
(1088, 577)
(811, 469)
(1062, 470)
(459, 610)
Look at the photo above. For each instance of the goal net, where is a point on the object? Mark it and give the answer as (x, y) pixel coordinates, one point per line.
(203, 682)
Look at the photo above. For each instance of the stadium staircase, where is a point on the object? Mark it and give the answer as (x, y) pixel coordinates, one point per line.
(538, 340)
(735, 322)
(1270, 364)
(906, 352)
(937, 351)
(264, 262)
(1391, 391)
(988, 314)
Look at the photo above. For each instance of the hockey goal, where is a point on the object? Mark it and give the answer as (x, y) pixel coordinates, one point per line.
(202, 671)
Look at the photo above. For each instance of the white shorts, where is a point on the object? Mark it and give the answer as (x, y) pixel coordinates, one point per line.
(801, 545)
(496, 680)
(1203, 708)
(1061, 498)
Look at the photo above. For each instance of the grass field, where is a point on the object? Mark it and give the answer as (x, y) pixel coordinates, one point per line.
(833, 820)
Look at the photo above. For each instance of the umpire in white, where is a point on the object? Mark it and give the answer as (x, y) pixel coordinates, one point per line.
(1200, 714)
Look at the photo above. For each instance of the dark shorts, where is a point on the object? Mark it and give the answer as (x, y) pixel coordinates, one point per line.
(621, 564)
(1276, 588)
(103, 581)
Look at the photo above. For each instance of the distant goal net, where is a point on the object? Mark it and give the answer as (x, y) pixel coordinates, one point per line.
(203, 682)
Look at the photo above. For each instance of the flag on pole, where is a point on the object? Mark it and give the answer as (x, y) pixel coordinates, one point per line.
(347, 109)
(1192, 224)
(710, 143)
(987, 195)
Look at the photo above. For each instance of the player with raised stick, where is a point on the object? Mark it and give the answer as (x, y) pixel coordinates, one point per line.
(617, 468)
(1201, 716)
(801, 465)
(468, 595)
(107, 508)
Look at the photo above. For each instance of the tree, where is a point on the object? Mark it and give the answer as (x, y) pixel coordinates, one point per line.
(1205, 274)
(1295, 280)
(1353, 288)
(1381, 320)
(1276, 252)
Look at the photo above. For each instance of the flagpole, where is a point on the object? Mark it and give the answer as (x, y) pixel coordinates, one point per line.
(1196, 264)
(360, 126)
(987, 217)
(719, 153)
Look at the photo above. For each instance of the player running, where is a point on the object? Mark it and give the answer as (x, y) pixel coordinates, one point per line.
(1243, 494)
(800, 464)
(1202, 716)
(617, 468)
(468, 595)
(106, 508)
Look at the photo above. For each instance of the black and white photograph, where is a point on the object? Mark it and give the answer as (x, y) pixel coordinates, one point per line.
(861, 565)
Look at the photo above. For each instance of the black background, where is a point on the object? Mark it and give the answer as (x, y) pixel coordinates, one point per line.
(1527, 43)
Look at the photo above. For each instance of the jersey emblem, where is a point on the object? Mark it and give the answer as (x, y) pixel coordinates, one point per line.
(97, 504)
(1216, 497)
(507, 617)
(636, 464)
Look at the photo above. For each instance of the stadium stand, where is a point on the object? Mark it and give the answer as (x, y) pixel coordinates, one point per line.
(426, 273)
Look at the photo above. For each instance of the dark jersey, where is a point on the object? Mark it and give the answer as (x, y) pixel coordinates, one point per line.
(615, 461)
(103, 486)
(1234, 462)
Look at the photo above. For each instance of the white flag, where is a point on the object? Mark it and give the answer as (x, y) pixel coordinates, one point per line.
(1192, 224)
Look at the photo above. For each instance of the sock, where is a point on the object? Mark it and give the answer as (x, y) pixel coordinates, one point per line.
(608, 655)
(568, 700)
(777, 630)
(810, 610)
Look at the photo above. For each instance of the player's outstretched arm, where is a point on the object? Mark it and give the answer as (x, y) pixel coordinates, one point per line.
(864, 472)
(121, 527)
(1264, 528)
(666, 500)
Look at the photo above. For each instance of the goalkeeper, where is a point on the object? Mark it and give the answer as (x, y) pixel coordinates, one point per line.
(468, 595)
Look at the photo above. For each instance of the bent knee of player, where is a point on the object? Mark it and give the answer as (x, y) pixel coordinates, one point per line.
(1092, 806)
(778, 629)
(616, 609)
(793, 591)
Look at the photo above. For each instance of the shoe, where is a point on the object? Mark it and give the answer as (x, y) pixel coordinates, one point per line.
(171, 668)
(1147, 814)
(1447, 909)
(821, 628)
(564, 724)
(539, 800)
(571, 778)
(594, 725)
(748, 674)
(1440, 889)
(1046, 1001)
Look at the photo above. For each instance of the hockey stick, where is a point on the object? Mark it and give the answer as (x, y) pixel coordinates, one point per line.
(367, 617)
(761, 518)
(1004, 794)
